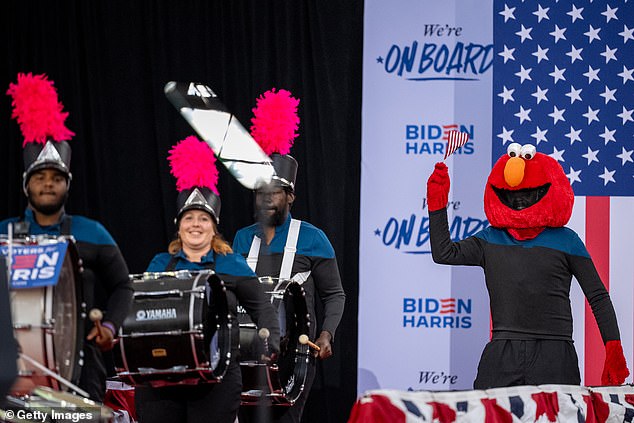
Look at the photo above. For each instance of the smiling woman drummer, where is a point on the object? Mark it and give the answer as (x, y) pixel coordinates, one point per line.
(199, 246)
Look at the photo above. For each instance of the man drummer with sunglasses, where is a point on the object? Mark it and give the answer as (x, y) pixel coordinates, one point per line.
(313, 265)
(284, 248)
(46, 182)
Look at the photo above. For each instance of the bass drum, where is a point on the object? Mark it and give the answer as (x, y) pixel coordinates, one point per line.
(178, 330)
(48, 324)
(282, 382)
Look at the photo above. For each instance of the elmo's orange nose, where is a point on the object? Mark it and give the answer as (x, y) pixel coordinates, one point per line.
(514, 171)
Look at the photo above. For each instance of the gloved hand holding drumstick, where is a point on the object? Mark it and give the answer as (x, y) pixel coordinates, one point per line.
(102, 334)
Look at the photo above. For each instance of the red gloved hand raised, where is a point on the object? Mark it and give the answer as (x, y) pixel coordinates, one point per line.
(615, 368)
(438, 188)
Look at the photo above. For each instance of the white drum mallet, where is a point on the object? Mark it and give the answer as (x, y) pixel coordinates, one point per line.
(303, 339)
(95, 316)
(264, 334)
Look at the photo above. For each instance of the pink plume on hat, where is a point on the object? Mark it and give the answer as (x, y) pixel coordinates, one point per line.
(275, 121)
(193, 164)
(37, 109)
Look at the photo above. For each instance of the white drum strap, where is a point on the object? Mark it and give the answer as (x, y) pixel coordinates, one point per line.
(252, 258)
(289, 249)
(300, 278)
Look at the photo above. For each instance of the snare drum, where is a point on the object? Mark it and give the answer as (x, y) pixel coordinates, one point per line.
(283, 382)
(48, 323)
(178, 331)
(46, 405)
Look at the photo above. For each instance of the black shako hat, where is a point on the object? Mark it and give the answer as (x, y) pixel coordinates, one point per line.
(52, 155)
(198, 198)
(285, 167)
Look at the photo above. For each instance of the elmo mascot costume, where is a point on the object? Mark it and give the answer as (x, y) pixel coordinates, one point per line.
(529, 259)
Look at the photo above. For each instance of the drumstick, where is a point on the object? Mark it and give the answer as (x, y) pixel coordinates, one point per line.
(95, 316)
(264, 334)
(303, 339)
(54, 375)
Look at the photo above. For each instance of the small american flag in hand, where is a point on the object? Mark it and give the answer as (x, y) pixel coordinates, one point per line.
(455, 140)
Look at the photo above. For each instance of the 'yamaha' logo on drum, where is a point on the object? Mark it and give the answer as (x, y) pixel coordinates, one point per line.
(156, 314)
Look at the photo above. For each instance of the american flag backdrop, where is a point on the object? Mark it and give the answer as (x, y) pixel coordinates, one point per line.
(563, 80)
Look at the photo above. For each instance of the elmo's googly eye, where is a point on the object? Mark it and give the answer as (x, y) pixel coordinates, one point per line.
(528, 151)
(514, 150)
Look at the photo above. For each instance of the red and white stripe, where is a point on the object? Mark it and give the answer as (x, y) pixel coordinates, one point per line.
(26, 261)
(606, 226)
(455, 140)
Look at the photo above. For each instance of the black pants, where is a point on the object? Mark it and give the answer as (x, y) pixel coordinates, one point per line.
(93, 373)
(512, 362)
(209, 403)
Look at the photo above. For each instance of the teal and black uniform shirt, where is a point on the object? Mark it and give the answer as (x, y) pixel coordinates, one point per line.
(314, 255)
(106, 279)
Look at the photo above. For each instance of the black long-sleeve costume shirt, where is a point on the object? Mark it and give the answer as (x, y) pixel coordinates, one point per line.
(528, 281)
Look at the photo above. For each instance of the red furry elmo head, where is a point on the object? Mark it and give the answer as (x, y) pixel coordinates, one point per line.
(527, 189)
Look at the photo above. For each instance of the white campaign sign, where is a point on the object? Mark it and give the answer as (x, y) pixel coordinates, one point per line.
(427, 70)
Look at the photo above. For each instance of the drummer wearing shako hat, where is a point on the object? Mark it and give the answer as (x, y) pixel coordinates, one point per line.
(198, 246)
(46, 182)
(282, 247)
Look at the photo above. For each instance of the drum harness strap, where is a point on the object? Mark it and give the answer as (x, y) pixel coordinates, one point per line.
(65, 225)
(171, 266)
(287, 260)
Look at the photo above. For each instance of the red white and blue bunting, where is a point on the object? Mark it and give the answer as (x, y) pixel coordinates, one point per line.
(546, 403)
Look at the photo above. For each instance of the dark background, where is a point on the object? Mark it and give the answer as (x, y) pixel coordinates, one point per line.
(110, 60)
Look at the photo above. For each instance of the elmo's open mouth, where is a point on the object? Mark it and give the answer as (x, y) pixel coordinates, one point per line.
(521, 198)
